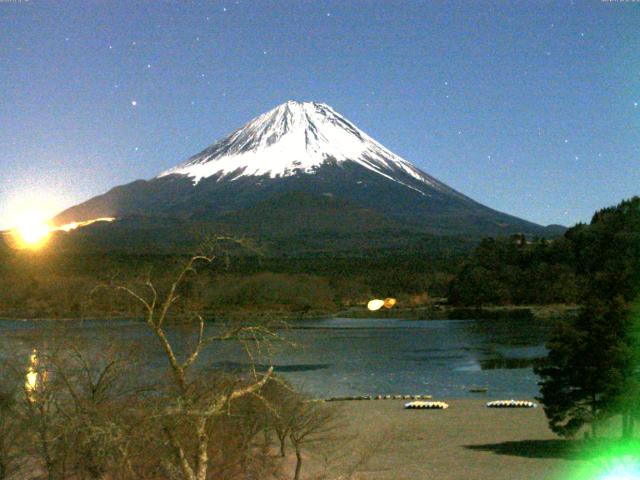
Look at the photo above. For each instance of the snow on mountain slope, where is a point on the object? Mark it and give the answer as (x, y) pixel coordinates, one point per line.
(284, 165)
(298, 138)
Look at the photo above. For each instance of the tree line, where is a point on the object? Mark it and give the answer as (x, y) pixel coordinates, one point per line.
(592, 371)
(517, 270)
(49, 284)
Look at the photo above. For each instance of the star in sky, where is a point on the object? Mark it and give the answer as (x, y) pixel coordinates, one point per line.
(171, 40)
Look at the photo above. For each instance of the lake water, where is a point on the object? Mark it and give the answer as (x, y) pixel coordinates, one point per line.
(338, 357)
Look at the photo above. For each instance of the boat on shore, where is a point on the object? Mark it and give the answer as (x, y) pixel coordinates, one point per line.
(478, 389)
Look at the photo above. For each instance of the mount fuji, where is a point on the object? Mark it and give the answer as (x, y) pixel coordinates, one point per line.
(297, 138)
(300, 169)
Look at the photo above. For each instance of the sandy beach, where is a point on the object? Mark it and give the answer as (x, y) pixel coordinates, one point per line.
(379, 440)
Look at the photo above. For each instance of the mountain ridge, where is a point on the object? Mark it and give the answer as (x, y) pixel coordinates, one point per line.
(295, 137)
(302, 147)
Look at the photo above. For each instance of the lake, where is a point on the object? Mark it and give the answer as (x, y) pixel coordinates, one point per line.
(339, 356)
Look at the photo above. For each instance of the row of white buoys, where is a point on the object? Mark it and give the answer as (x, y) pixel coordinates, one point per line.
(511, 404)
(403, 397)
(426, 405)
(495, 404)
(421, 401)
(379, 397)
(354, 397)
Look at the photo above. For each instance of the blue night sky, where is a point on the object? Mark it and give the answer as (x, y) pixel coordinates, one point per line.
(532, 108)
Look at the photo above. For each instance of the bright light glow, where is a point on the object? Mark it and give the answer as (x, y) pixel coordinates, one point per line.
(389, 302)
(32, 231)
(31, 378)
(375, 304)
(626, 468)
(67, 227)
(32, 381)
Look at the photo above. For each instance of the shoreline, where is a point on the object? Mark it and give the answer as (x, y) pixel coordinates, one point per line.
(465, 441)
(432, 312)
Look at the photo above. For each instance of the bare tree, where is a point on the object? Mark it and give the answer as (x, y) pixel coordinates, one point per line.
(311, 421)
(77, 411)
(10, 431)
(42, 397)
(100, 402)
(283, 401)
(192, 406)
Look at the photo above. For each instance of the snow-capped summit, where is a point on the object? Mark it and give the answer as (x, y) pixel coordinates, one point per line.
(298, 170)
(293, 138)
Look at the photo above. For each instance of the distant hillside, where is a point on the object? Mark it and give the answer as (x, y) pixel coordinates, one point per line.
(517, 271)
(298, 170)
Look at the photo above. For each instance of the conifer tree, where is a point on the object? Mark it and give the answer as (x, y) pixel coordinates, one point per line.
(587, 368)
(591, 371)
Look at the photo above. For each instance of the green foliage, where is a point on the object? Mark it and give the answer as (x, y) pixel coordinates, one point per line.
(516, 271)
(592, 367)
(587, 366)
(598, 259)
(608, 251)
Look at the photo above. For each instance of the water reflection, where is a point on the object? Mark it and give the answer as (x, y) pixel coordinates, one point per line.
(245, 366)
(31, 377)
(337, 357)
(508, 363)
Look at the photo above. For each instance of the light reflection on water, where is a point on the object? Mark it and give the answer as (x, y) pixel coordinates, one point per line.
(337, 357)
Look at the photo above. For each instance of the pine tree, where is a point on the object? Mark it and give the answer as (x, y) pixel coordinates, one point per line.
(587, 368)
(591, 371)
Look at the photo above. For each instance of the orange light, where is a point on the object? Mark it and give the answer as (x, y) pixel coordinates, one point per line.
(31, 231)
(389, 302)
(67, 227)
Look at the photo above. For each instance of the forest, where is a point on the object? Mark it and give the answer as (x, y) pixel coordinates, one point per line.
(505, 271)
(517, 270)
